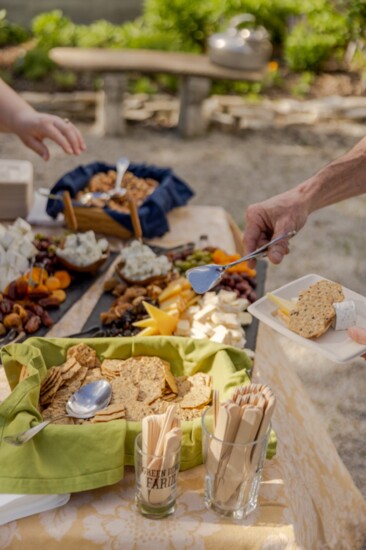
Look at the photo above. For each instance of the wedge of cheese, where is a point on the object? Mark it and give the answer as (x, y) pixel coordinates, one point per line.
(165, 323)
(284, 305)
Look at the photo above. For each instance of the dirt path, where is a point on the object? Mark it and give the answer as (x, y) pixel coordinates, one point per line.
(235, 171)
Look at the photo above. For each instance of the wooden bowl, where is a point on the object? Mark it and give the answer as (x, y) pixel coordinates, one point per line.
(90, 268)
(137, 282)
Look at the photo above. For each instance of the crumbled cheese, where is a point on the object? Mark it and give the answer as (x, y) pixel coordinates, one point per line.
(16, 248)
(82, 249)
(140, 262)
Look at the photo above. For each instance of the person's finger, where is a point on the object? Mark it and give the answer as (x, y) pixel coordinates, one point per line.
(37, 146)
(72, 135)
(50, 131)
(357, 334)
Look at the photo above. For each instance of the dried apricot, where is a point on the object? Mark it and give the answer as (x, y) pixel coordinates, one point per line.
(36, 275)
(64, 278)
(53, 283)
(59, 294)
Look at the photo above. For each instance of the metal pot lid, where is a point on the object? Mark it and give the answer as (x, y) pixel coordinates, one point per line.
(237, 30)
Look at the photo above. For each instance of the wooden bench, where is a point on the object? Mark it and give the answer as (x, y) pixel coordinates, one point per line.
(195, 72)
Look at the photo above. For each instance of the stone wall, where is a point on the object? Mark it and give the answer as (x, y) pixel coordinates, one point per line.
(116, 11)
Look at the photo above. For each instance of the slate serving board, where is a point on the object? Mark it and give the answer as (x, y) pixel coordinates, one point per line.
(107, 299)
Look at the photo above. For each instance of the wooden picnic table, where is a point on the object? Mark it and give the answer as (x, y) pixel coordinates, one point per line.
(195, 71)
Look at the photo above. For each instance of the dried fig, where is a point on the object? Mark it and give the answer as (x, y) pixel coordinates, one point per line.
(35, 308)
(6, 306)
(46, 319)
(33, 324)
(49, 302)
(11, 290)
(21, 288)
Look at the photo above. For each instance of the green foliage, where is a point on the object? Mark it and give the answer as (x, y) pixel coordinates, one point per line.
(10, 33)
(303, 84)
(305, 34)
(315, 39)
(190, 21)
(35, 65)
(66, 80)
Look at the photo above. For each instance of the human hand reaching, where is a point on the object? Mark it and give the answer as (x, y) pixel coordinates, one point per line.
(272, 217)
(33, 128)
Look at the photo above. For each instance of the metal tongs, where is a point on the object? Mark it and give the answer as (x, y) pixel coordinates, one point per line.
(87, 199)
(204, 278)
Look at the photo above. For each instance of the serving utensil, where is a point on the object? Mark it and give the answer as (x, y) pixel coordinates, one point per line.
(204, 278)
(84, 403)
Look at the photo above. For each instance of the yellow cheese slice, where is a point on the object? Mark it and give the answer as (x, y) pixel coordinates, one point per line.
(285, 305)
(193, 300)
(173, 289)
(144, 323)
(177, 302)
(149, 331)
(165, 323)
(188, 294)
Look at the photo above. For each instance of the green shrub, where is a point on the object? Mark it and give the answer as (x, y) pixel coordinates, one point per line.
(35, 65)
(10, 33)
(318, 36)
(305, 33)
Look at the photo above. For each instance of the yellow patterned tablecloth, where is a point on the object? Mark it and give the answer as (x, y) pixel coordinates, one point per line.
(307, 497)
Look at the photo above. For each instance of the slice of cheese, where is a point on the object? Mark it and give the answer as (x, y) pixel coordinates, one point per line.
(144, 323)
(285, 305)
(184, 283)
(165, 323)
(176, 302)
(173, 289)
(149, 331)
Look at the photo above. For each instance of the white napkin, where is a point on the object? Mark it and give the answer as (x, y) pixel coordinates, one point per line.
(38, 214)
(14, 507)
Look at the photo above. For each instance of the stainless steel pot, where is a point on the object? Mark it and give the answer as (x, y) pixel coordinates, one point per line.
(242, 46)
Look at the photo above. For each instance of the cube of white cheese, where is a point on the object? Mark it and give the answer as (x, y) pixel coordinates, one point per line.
(205, 313)
(203, 328)
(23, 226)
(226, 296)
(245, 318)
(229, 320)
(210, 298)
(2, 255)
(220, 335)
(27, 248)
(183, 328)
(16, 260)
(7, 239)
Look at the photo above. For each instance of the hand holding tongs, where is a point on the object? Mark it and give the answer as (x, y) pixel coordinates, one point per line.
(205, 277)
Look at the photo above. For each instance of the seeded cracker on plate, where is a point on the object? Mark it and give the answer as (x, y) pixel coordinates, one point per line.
(314, 311)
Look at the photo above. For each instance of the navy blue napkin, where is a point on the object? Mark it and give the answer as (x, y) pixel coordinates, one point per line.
(170, 193)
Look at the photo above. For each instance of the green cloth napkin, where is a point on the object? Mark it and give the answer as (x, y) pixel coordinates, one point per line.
(64, 459)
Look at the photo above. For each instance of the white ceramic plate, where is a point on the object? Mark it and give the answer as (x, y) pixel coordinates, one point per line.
(334, 344)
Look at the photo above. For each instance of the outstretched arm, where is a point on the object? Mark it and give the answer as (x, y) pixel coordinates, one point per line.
(341, 179)
(18, 117)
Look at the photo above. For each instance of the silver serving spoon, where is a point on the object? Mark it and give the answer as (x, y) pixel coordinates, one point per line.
(122, 165)
(84, 403)
(204, 278)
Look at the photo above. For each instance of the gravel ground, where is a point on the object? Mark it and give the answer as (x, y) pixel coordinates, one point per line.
(234, 171)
